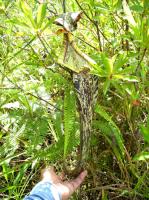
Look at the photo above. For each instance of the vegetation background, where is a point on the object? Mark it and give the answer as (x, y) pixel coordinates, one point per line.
(39, 124)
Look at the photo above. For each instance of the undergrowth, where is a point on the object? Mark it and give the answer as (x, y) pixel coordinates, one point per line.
(39, 120)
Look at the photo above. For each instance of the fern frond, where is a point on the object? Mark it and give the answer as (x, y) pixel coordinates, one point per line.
(115, 130)
(111, 136)
(52, 152)
(69, 119)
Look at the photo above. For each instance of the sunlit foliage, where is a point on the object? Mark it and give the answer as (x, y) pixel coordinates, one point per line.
(39, 123)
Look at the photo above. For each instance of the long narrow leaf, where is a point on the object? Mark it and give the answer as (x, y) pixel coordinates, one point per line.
(108, 64)
(28, 12)
(118, 136)
(128, 13)
(41, 13)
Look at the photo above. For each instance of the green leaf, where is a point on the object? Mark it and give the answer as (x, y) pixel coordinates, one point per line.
(110, 135)
(108, 64)
(106, 86)
(13, 105)
(99, 71)
(69, 119)
(125, 78)
(145, 131)
(6, 171)
(22, 170)
(26, 9)
(16, 21)
(142, 156)
(137, 8)
(46, 25)
(130, 78)
(53, 152)
(146, 6)
(100, 110)
(121, 60)
(127, 70)
(41, 14)
(104, 195)
(128, 13)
